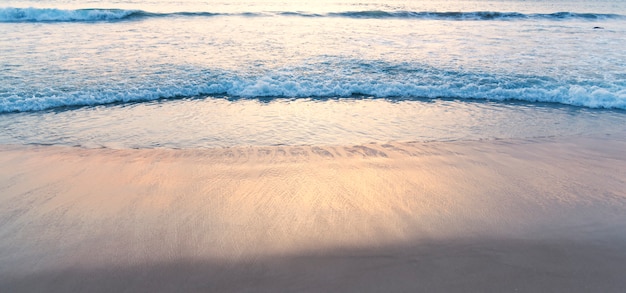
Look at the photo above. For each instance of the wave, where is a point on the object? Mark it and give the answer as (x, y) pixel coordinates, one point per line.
(11, 14)
(477, 15)
(83, 15)
(391, 83)
(60, 15)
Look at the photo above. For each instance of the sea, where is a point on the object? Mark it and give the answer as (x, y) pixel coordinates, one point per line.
(208, 74)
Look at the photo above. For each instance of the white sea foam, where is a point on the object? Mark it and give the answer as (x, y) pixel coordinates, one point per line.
(287, 85)
(32, 14)
(52, 14)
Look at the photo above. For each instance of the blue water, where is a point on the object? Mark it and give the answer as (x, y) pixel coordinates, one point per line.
(204, 74)
(30, 14)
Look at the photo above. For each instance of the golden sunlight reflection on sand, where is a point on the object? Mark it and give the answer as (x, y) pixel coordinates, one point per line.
(145, 210)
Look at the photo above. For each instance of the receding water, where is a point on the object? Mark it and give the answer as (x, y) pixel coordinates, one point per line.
(219, 122)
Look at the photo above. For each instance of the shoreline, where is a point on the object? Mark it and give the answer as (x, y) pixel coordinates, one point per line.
(538, 214)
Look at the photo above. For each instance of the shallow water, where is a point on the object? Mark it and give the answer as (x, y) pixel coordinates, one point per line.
(210, 122)
(204, 74)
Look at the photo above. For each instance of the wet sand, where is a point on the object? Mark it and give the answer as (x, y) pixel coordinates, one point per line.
(538, 215)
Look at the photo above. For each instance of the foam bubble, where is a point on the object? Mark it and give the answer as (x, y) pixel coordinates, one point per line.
(52, 14)
(427, 83)
(11, 14)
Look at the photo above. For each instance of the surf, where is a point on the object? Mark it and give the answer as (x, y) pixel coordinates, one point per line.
(425, 83)
(31, 14)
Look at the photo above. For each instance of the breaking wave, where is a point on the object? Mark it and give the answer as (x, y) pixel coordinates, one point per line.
(390, 83)
(12, 14)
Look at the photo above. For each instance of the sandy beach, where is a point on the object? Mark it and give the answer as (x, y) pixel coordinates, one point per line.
(535, 215)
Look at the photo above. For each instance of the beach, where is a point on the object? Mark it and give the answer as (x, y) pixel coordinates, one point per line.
(325, 146)
(543, 214)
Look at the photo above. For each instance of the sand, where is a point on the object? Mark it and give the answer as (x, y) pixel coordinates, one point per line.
(534, 215)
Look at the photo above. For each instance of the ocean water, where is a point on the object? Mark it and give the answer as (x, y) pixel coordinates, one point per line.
(189, 74)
